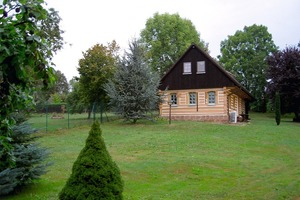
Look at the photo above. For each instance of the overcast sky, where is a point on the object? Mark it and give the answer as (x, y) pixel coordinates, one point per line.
(89, 22)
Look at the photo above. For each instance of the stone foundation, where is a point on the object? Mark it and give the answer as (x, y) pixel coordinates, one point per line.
(202, 118)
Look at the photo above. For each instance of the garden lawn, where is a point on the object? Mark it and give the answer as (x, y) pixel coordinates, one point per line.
(186, 160)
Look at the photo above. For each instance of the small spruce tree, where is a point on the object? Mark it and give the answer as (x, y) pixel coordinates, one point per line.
(277, 108)
(30, 158)
(94, 174)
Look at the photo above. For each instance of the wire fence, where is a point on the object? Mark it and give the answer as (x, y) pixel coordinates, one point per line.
(50, 117)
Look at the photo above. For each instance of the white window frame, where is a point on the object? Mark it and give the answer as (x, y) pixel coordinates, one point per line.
(211, 98)
(201, 67)
(187, 68)
(173, 99)
(192, 98)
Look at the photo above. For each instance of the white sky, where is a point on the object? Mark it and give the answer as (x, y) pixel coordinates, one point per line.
(89, 22)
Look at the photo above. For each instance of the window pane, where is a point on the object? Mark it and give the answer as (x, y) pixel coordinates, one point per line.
(192, 98)
(211, 98)
(201, 67)
(187, 68)
(173, 99)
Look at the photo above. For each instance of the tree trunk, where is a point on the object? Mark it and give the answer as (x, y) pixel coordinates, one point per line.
(264, 105)
(89, 114)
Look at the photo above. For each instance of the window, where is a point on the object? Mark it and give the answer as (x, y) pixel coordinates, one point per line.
(200, 67)
(193, 98)
(173, 99)
(211, 98)
(187, 68)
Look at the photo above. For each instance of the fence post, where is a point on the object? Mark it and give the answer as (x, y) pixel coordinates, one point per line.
(93, 110)
(170, 115)
(68, 110)
(101, 111)
(46, 116)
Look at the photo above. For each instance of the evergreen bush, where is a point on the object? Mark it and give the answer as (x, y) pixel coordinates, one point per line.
(30, 157)
(94, 174)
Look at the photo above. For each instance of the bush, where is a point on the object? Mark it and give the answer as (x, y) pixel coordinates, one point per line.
(29, 164)
(94, 174)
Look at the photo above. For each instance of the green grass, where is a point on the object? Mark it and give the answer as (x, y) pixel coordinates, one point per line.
(186, 160)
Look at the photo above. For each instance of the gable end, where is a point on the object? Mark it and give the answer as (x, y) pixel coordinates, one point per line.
(214, 76)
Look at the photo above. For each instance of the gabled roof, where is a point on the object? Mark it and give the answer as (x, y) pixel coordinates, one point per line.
(217, 64)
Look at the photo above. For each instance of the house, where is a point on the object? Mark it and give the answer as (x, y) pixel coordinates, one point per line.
(198, 88)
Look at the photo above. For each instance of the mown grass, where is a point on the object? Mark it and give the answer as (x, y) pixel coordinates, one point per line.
(186, 160)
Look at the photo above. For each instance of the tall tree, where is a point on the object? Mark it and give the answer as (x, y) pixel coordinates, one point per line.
(29, 34)
(243, 54)
(95, 68)
(166, 37)
(133, 91)
(284, 76)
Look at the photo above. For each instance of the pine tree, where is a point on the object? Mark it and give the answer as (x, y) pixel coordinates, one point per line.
(133, 91)
(277, 108)
(94, 174)
(30, 159)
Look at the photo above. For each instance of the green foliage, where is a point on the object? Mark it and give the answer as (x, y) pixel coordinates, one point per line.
(30, 159)
(95, 68)
(61, 85)
(243, 54)
(94, 174)
(29, 35)
(284, 76)
(56, 98)
(133, 91)
(55, 93)
(277, 108)
(74, 100)
(166, 37)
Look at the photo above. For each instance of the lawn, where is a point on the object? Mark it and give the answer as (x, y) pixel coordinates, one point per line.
(186, 160)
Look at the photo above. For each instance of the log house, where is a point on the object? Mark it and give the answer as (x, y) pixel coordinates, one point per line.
(198, 88)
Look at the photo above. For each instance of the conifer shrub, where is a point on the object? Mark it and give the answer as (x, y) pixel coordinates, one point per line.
(94, 174)
(30, 158)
